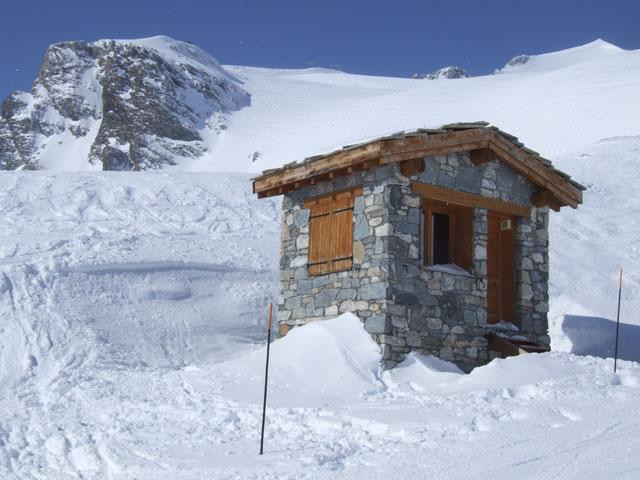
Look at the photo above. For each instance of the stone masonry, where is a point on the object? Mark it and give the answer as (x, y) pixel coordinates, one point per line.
(403, 304)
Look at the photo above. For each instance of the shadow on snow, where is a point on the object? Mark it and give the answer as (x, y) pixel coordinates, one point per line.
(596, 336)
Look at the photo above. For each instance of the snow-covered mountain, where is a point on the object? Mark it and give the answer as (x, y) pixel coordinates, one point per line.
(118, 105)
(167, 102)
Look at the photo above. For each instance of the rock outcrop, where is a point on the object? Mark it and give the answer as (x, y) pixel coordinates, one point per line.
(118, 105)
(446, 72)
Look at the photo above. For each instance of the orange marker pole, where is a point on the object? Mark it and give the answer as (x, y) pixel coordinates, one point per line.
(615, 356)
(266, 376)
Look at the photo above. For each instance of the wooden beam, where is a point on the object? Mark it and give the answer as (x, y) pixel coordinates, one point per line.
(481, 156)
(500, 344)
(428, 152)
(545, 197)
(319, 177)
(483, 144)
(443, 142)
(535, 171)
(412, 167)
(457, 197)
(334, 161)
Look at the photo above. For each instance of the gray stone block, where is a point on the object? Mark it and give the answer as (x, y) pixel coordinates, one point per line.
(373, 291)
(361, 228)
(377, 324)
(326, 297)
(301, 217)
(347, 294)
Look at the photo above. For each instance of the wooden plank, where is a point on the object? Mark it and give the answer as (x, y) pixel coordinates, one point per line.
(443, 141)
(545, 198)
(481, 156)
(327, 197)
(537, 179)
(482, 143)
(493, 270)
(430, 151)
(342, 159)
(536, 171)
(507, 243)
(342, 239)
(463, 238)
(319, 236)
(412, 167)
(457, 197)
(510, 347)
(502, 345)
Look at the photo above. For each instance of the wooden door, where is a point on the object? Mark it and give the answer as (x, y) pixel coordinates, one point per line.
(501, 269)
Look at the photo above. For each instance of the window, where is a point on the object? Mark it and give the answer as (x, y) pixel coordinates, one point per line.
(331, 232)
(447, 233)
(441, 228)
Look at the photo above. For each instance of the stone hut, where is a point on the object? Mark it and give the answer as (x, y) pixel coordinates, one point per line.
(436, 239)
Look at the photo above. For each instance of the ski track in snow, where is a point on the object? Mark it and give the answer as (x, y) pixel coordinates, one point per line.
(115, 323)
(132, 304)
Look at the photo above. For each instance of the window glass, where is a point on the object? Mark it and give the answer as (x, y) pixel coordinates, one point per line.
(441, 239)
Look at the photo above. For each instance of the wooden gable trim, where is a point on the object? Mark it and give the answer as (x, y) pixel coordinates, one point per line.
(524, 164)
(465, 199)
(412, 167)
(545, 198)
(352, 191)
(481, 156)
(483, 144)
(362, 157)
(399, 149)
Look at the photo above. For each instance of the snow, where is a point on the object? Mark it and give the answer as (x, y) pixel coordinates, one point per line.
(593, 52)
(449, 268)
(555, 106)
(132, 305)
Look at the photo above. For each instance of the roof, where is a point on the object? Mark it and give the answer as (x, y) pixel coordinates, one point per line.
(555, 186)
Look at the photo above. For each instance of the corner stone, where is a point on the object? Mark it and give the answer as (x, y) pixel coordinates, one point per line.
(377, 324)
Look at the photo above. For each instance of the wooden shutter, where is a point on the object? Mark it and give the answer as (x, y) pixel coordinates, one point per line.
(319, 236)
(331, 232)
(463, 238)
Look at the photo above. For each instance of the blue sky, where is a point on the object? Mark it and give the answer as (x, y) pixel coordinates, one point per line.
(395, 38)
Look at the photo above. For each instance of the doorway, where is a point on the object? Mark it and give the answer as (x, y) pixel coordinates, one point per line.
(500, 268)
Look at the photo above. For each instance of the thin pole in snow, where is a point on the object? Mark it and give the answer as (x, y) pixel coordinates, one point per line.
(615, 356)
(266, 376)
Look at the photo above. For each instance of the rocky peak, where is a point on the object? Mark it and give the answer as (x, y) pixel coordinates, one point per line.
(514, 62)
(449, 72)
(119, 105)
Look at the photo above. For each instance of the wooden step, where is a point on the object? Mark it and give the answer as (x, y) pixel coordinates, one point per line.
(510, 347)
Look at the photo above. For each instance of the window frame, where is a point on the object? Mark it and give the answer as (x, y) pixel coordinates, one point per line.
(461, 232)
(429, 207)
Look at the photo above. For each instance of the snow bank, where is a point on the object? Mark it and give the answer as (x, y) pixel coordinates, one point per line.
(329, 359)
(150, 269)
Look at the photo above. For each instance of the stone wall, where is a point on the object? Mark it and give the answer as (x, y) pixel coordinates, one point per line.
(532, 273)
(362, 290)
(403, 304)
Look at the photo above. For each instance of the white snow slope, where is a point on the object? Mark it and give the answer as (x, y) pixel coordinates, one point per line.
(131, 304)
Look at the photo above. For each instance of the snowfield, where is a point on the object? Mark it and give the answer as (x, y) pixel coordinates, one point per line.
(132, 305)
